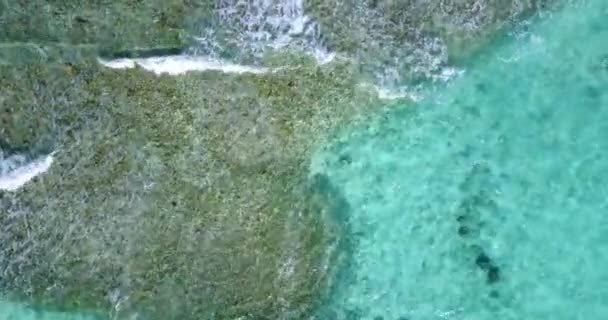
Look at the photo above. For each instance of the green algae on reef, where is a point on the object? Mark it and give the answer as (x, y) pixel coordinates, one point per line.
(32, 53)
(113, 25)
(180, 197)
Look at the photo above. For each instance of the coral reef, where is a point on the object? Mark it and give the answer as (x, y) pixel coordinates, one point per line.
(168, 196)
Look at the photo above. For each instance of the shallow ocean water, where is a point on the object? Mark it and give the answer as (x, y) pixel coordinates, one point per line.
(486, 200)
(18, 311)
(489, 198)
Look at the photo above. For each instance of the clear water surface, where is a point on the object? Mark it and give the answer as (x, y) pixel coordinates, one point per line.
(489, 199)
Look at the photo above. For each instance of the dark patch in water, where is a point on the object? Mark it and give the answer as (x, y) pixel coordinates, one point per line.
(463, 231)
(593, 92)
(140, 53)
(354, 314)
(469, 218)
(486, 264)
(345, 158)
(10, 150)
(493, 274)
(80, 19)
(473, 111)
(483, 261)
(481, 87)
(604, 62)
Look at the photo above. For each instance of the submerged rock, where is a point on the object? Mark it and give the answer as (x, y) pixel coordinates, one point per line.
(19, 53)
(182, 197)
(400, 42)
(113, 26)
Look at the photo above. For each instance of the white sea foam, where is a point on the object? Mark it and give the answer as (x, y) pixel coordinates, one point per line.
(252, 27)
(395, 94)
(14, 174)
(180, 64)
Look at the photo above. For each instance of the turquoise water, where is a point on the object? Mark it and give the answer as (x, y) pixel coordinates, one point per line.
(17, 311)
(488, 199)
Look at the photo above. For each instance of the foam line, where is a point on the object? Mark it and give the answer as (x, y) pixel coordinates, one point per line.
(180, 64)
(18, 177)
